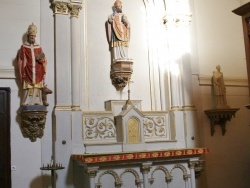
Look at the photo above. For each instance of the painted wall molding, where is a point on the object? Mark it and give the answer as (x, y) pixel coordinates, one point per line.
(7, 72)
(205, 80)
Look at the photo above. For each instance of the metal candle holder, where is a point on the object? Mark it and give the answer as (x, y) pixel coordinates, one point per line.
(52, 167)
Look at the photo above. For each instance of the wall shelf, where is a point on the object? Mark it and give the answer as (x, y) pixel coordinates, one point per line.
(220, 117)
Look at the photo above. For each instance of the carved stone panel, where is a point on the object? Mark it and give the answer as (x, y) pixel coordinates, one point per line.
(98, 127)
(156, 127)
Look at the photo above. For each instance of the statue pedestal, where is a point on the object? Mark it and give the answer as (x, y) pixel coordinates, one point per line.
(220, 117)
(33, 119)
(121, 72)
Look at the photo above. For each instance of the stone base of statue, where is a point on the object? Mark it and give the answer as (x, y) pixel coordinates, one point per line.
(33, 119)
(121, 71)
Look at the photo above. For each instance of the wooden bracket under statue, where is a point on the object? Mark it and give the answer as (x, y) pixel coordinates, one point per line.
(220, 117)
(33, 119)
(121, 72)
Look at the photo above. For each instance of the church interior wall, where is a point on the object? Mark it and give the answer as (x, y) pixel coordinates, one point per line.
(219, 41)
(219, 33)
(98, 58)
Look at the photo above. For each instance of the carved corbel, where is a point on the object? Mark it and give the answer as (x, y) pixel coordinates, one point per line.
(120, 73)
(33, 119)
(220, 117)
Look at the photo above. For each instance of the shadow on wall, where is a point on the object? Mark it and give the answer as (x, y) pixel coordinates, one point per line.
(43, 181)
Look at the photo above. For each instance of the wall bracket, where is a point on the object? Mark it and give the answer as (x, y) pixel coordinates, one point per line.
(33, 119)
(220, 117)
(121, 72)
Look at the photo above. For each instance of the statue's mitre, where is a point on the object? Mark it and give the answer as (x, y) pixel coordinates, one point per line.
(32, 30)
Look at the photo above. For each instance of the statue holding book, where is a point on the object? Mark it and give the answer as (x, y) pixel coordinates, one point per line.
(32, 69)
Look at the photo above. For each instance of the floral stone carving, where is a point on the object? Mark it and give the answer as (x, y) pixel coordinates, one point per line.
(120, 73)
(33, 119)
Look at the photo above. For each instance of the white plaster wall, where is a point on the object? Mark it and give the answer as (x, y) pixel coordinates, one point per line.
(228, 158)
(219, 37)
(98, 59)
(47, 43)
(27, 156)
(15, 17)
(220, 41)
(244, 2)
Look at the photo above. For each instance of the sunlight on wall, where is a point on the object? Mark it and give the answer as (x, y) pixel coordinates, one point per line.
(177, 20)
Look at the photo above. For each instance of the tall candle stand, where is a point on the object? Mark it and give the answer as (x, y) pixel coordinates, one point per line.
(52, 167)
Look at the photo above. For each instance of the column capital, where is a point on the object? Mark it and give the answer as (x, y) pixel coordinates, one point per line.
(192, 164)
(92, 172)
(186, 176)
(145, 168)
(198, 167)
(74, 10)
(60, 7)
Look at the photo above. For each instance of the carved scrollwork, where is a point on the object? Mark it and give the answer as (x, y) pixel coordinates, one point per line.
(99, 128)
(32, 124)
(154, 127)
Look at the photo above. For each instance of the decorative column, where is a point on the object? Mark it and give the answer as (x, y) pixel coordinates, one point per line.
(175, 91)
(75, 54)
(62, 119)
(168, 180)
(190, 116)
(92, 174)
(192, 174)
(186, 177)
(187, 83)
(62, 55)
(145, 169)
(176, 113)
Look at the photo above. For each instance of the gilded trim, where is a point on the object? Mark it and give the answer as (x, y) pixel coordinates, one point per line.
(109, 157)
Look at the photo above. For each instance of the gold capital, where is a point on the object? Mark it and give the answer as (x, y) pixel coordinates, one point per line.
(74, 10)
(60, 7)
